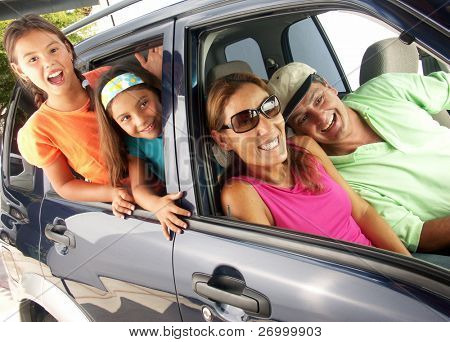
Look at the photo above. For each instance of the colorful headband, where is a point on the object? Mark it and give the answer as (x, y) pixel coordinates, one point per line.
(117, 85)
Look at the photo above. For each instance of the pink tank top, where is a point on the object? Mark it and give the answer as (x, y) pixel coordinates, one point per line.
(328, 213)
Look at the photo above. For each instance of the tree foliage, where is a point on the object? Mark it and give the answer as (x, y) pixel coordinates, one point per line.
(6, 77)
(60, 19)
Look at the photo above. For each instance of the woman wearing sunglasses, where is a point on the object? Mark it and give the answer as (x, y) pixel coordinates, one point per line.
(289, 184)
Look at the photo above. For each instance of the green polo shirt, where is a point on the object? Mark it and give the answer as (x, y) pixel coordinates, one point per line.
(406, 178)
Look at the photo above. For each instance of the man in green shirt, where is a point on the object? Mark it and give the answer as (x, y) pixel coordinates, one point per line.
(384, 142)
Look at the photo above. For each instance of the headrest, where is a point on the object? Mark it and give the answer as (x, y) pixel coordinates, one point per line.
(388, 55)
(224, 69)
(215, 73)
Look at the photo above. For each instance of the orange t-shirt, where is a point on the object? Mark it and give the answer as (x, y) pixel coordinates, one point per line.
(49, 133)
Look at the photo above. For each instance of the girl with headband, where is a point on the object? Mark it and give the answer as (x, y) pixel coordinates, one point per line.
(129, 112)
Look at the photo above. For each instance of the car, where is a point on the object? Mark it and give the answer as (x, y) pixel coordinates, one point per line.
(75, 261)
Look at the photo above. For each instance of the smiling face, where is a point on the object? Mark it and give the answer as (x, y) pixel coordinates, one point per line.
(321, 115)
(138, 112)
(42, 58)
(264, 145)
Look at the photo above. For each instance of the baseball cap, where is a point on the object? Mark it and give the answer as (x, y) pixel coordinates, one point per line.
(290, 83)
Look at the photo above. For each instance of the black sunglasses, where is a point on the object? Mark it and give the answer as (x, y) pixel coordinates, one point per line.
(248, 119)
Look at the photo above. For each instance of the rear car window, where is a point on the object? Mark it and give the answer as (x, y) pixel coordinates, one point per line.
(306, 44)
(247, 50)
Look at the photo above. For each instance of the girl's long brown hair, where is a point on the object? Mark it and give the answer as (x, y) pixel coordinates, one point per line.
(111, 134)
(303, 162)
(20, 27)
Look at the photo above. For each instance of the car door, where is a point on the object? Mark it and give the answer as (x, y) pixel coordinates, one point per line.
(21, 196)
(227, 270)
(113, 269)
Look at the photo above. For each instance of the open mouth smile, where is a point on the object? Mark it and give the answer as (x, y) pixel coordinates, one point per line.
(330, 124)
(270, 145)
(56, 77)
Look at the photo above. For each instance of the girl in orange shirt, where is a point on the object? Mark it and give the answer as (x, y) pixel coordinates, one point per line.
(63, 132)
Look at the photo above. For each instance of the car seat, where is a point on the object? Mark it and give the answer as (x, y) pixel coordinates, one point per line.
(224, 69)
(392, 55)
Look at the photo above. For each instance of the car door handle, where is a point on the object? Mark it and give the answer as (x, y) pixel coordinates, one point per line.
(57, 231)
(229, 290)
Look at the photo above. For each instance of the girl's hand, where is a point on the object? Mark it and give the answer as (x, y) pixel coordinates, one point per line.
(153, 63)
(122, 202)
(167, 212)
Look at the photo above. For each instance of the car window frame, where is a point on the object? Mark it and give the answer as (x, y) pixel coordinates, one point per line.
(212, 24)
(208, 221)
(8, 134)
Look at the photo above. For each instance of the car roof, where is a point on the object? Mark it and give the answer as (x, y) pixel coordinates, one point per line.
(179, 9)
(431, 14)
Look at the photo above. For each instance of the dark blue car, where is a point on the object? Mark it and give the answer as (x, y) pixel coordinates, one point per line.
(75, 261)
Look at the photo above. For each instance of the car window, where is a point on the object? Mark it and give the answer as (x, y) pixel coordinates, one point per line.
(350, 45)
(247, 50)
(308, 46)
(21, 173)
(294, 36)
